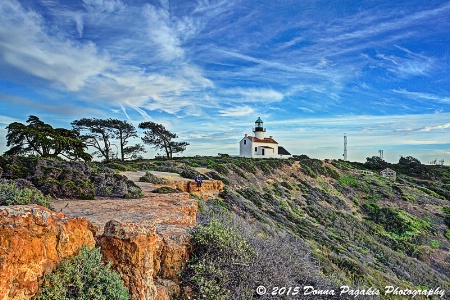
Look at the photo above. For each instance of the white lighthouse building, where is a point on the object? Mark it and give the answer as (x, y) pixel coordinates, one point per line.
(258, 146)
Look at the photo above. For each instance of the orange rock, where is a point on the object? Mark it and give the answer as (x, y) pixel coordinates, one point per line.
(142, 256)
(33, 240)
(209, 188)
(132, 250)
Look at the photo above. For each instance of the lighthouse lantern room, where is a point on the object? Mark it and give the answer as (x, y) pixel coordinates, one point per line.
(259, 129)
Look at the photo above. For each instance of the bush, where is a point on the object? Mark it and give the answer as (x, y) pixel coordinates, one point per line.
(149, 177)
(133, 191)
(166, 190)
(219, 254)
(18, 193)
(446, 210)
(435, 244)
(376, 163)
(348, 181)
(83, 276)
(447, 235)
(231, 257)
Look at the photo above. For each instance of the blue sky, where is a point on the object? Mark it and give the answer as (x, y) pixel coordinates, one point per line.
(312, 70)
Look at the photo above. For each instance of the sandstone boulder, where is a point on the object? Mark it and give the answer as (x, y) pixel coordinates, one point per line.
(209, 188)
(33, 240)
(148, 261)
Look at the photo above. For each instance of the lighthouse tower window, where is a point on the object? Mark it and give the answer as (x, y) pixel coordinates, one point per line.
(245, 142)
(256, 149)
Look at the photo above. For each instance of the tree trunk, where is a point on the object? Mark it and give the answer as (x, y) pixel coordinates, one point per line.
(122, 155)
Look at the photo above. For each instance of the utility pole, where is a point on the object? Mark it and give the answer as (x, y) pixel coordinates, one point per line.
(345, 147)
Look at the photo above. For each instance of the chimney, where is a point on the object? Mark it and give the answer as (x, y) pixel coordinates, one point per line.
(246, 135)
(270, 137)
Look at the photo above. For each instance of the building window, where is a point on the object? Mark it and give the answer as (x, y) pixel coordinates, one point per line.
(262, 151)
(256, 149)
(245, 142)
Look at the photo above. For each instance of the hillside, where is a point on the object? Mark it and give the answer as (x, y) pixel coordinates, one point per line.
(364, 231)
(295, 223)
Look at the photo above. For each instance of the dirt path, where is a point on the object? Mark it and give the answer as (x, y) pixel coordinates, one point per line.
(176, 210)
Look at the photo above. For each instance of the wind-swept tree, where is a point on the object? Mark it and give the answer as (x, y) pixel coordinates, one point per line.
(42, 139)
(98, 134)
(101, 132)
(158, 136)
(123, 132)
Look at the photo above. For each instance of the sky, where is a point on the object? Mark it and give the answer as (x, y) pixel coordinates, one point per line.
(313, 70)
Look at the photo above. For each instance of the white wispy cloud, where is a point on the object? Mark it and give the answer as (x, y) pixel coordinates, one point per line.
(423, 96)
(435, 127)
(256, 95)
(6, 120)
(238, 111)
(28, 46)
(104, 74)
(103, 6)
(412, 64)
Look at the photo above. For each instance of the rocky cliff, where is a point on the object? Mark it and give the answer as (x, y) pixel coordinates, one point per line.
(146, 239)
(33, 240)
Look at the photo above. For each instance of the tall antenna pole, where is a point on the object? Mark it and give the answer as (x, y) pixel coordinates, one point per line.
(345, 147)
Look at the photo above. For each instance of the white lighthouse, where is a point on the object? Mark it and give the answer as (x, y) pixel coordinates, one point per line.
(258, 146)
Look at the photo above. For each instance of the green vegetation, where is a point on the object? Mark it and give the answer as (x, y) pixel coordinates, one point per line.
(376, 163)
(217, 250)
(83, 276)
(357, 226)
(165, 190)
(435, 244)
(446, 210)
(12, 193)
(99, 132)
(299, 220)
(69, 179)
(232, 256)
(160, 138)
(348, 181)
(41, 138)
(149, 177)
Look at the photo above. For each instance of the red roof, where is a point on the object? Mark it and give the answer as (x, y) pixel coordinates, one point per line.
(266, 140)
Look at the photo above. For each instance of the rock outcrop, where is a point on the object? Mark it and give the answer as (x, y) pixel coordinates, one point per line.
(147, 261)
(209, 188)
(147, 242)
(133, 251)
(33, 240)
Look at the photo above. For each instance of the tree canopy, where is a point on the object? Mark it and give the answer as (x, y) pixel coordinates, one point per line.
(42, 139)
(158, 136)
(99, 134)
(123, 132)
(376, 163)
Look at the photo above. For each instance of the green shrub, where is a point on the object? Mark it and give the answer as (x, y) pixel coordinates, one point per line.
(219, 253)
(446, 210)
(447, 235)
(11, 194)
(83, 276)
(149, 177)
(166, 190)
(222, 169)
(348, 181)
(435, 244)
